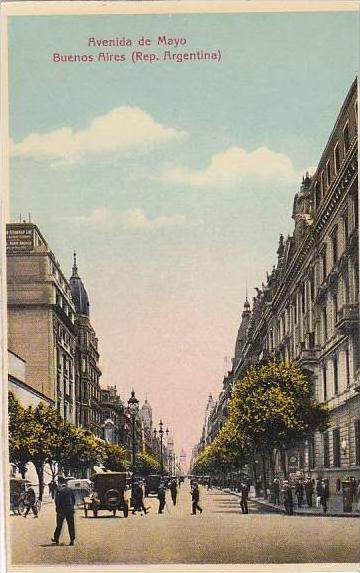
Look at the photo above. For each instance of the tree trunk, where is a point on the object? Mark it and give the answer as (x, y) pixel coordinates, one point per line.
(22, 469)
(283, 462)
(272, 464)
(263, 459)
(39, 467)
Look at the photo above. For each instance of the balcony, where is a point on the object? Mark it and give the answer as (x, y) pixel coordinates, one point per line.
(347, 319)
(308, 356)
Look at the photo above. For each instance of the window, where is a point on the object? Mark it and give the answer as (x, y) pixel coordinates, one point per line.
(346, 227)
(336, 375)
(311, 453)
(303, 299)
(317, 195)
(324, 383)
(347, 367)
(328, 174)
(335, 309)
(326, 450)
(312, 285)
(336, 448)
(356, 112)
(336, 158)
(323, 260)
(325, 330)
(357, 442)
(334, 244)
(311, 340)
(346, 138)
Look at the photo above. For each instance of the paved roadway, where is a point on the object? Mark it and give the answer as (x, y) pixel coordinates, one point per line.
(220, 535)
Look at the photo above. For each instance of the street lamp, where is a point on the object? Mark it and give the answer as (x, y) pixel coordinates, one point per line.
(161, 433)
(133, 407)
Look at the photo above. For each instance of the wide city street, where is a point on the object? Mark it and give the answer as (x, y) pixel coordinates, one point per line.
(221, 534)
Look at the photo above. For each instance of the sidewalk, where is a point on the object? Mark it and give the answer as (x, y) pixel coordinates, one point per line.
(335, 506)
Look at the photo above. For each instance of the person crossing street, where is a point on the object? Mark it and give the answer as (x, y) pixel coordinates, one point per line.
(161, 497)
(195, 497)
(65, 507)
(30, 501)
(244, 491)
(173, 491)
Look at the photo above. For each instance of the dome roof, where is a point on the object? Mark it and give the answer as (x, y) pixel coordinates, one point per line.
(78, 292)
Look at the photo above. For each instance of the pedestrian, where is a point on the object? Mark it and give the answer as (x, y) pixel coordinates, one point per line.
(195, 497)
(65, 507)
(299, 491)
(173, 491)
(358, 495)
(324, 494)
(137, 495)
(288, 498)
(276, 490)
(30, 501)
(318, 491)
(309, 490)
(161, 497)
(244, 495)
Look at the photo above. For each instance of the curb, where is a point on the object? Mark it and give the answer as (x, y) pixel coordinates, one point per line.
(296, 512)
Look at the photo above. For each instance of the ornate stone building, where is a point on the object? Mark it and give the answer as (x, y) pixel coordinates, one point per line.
(115, 421)
(41, 316)
(87, 372)
(308, 309)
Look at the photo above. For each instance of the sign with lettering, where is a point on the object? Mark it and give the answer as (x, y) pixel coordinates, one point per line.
(19, 240)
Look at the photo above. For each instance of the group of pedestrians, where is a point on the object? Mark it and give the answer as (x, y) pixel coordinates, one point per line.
(304, 489)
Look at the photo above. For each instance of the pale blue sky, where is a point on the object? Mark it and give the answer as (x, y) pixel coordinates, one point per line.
(166, 243)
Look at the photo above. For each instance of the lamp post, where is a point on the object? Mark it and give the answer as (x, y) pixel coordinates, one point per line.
(133, 406)
(161, 433)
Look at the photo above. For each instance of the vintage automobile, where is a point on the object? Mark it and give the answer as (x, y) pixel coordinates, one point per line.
(152, 483)
(82, 488)
(109, 492)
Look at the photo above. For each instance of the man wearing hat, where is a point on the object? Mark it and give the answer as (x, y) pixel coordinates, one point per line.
(65, 506)
(288, 498)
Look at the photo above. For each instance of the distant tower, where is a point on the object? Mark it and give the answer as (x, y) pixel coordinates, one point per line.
(146, 414)
(182, 461)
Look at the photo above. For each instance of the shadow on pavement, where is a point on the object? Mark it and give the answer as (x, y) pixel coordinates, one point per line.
(103, 517)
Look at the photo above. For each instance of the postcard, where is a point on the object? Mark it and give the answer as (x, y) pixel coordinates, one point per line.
(180, 286)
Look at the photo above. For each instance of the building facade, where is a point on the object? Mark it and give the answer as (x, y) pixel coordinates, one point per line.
(87, 371)
(308, 309)
(41, 317)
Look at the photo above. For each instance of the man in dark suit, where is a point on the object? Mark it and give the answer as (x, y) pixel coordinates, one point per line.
(288, 498)
(65, 504)
(244, 490)
(29, 501)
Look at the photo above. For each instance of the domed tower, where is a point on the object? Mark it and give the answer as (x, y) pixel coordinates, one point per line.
(87, 372)
(241, 336)
(78, 292)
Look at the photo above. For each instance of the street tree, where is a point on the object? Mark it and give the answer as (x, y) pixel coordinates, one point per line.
(146, 463)
(273, 406)
(18, 435)
(116, 457)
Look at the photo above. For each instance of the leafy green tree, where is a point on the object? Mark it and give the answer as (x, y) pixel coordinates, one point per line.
(18, 446)
(146, 463)
(82, 450)
(273, 406)
(116, 457)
